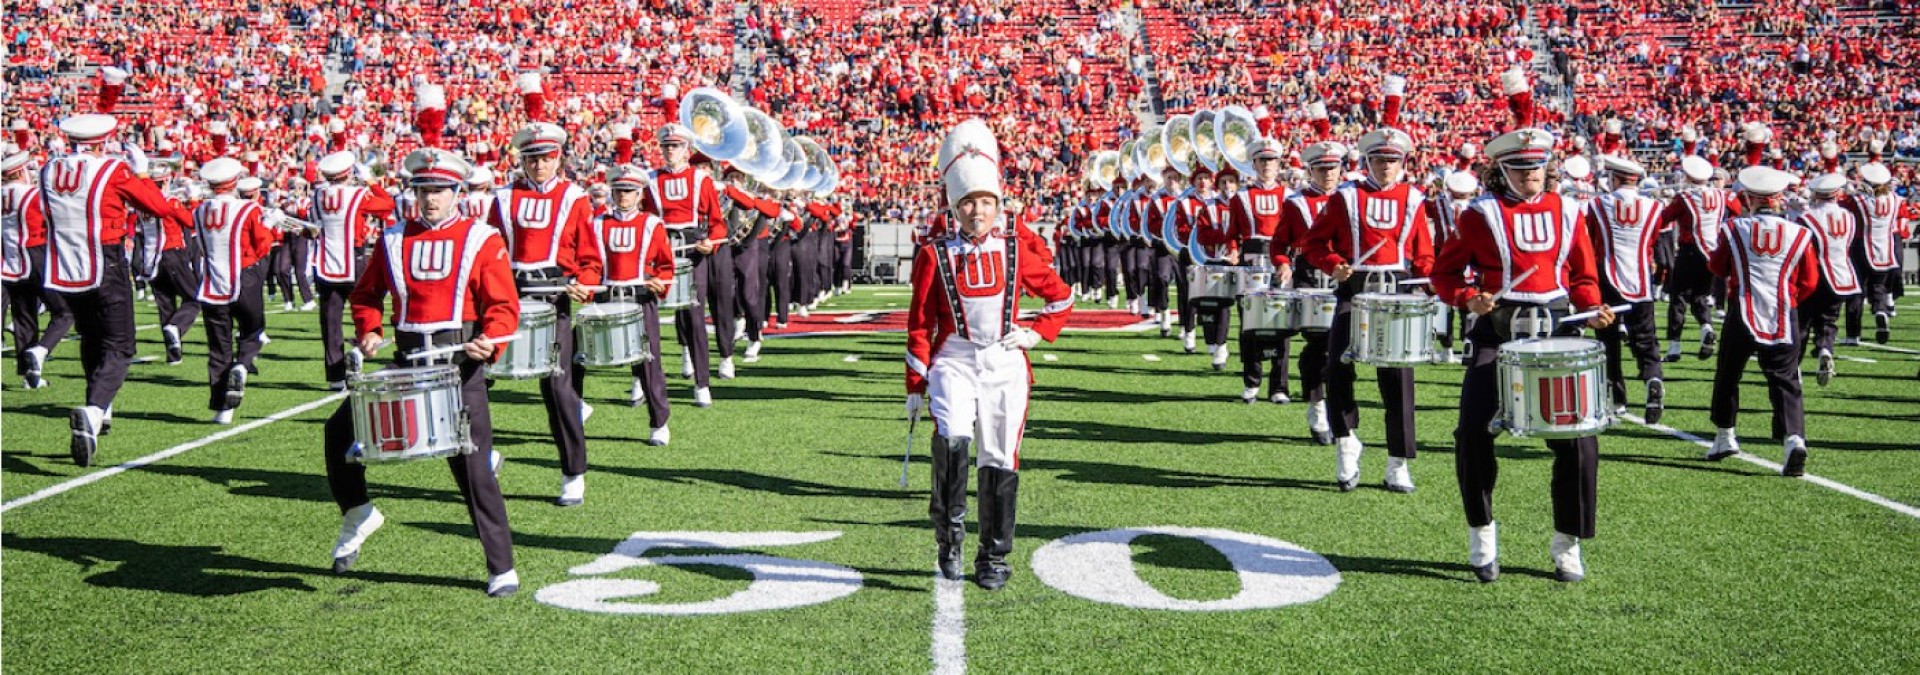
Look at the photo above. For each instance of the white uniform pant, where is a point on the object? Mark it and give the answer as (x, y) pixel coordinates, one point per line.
(981, 393)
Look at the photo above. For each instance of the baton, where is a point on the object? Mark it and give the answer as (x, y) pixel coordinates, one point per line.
(1583, 316)
(425, 354)
(907, 458)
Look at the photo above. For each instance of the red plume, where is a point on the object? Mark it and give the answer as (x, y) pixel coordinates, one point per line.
(430, 113)
(20, 133)
(622, 143)
(217, 134)
(1757, 136)
(337, 133)
(1394, 88)
(1317, 116)
(1519, 93)
(113, 81)
(532, 96)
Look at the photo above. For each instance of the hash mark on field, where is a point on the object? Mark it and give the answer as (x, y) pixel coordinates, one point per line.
(1830, 484)
(1857, 359)
(1049, 357)
(1889, 348)
(1150, 357)
(949, 626)
(96, 476)
(852, 358)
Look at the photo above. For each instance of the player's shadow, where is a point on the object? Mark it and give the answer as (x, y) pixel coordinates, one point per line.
(22, 463)
(199, 571)
(298, 486)
(746, 480)
(46, 410)
(1426, 569)
(1100, 432)
(1074, 471)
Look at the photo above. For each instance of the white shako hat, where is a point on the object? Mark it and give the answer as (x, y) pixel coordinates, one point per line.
(1875, 174)
(1616, 164)
(1764, 181)
(1528, 148)
(1577, 167)
(539, 138)
(1462, 182)
(1696, 168)
(14, 159)
(1266, 148)
(674, 133)
(481, 178)
(1386, 141)
(1323, 153)
(88, 128)
(1827, 183)
(222, 170)
(969, 162)
(336, 165)
(628, 176)
(250, 184)
(433, 166)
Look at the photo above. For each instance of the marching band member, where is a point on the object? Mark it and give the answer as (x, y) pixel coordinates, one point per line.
(1215, 228)
(749, 226)
(1460, 188)
(1697, 212)
(965, 351)
(287, 265)
(167, 264)
(23, 245)
(348, 215)
(1771, 266)
(86, 196)
(843, 227)
(1162, 265)
(1375, 228)
(782, 231)
(1625, 226)
(545, 220)
(1324, 162)
(1519, 226)
(1877, 250)
(1256, 214)
(638, 255)
(1187, 212)
(1834, 230)
(235, 242)
(451, 283)
(686, 198)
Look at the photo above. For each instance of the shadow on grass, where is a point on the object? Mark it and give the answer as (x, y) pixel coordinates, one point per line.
(746, 480)
(311, 487)
(199, 571)
(23, 463)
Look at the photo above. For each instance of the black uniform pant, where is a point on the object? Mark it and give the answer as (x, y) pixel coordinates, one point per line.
(1396, 388)
(1313, 365)
(1880, 288)
(1576, 462)
(1779, 364)
(1268, 352)
(104, 316)
(802, 270)
(1821, 312)
(288, 264)
(713, 280)
(472, 472)
(780, 276)
(1141, 270)
(1165, 267)
(842, 262)
(750, 282)
(1691, 289)
(652, 375)
(1640, 336)
(25, 298)
(175, 287)
(562, 398)
(690, 324)
(333, 305)
(1214, 320)
(1183, 294)
(236, 324)
(823, 261)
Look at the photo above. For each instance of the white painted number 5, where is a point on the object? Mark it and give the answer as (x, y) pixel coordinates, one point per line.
(1098, 566)
(778, 583)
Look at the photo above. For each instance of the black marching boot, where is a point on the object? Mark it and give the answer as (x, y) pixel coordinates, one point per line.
(999, 490)
(948, 504)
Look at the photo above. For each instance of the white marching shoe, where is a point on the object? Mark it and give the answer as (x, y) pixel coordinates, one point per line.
(1825, 374)
(87, 424)
(1249, 395)
(1707, 341)
(288, 307)
(637, 395)
(1219, 356)
(1794, 464)
(223, 417)
(753, 352)
(1399, 479)
(503, 584)
(1166, 322)
(36, 366)
(739, 329)
(1114, 302)
(686, 364)
(495, 461)
(356, 525)
(803, 311)
(1317, 423)
(1483, 552)
(1347, 452)
(1186, 340)
(659, 436)
(1280, 398)
(586, 413)
(1673, 352)
(1567, 567)
(703, 397)
(1725, 445)
(726, 368)
(308, 306)
(573, 490)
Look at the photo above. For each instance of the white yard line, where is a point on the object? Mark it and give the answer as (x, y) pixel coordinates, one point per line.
(1897, 507)
(1888, 348)
(1150, 357)
(852, 358)
(1856, 359)
(224, 434)
(949, 626)
(1049, 357)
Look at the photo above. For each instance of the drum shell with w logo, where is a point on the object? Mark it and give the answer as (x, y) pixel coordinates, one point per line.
(1554, 387)
(406, 414)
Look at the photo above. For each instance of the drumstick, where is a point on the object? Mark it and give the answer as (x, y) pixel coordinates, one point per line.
(1515, 282)
(1583, 316)
(907, 458)
(1414, 282)
(1376, 249)
(544, 290)
(425, 354)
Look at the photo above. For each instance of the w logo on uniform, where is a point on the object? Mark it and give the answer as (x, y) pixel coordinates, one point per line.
(1768, 239)
(675, 189)
(66, 177)
(1382, 214)
(1563, 399)
(394, 428)
(1835, 226)
(621, 239)
(332, 201)
(1533, 232)
(430, 260)
(982, 274)
(1266, 205)
(533, 214)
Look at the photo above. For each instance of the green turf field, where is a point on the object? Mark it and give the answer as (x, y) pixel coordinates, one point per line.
(217, 559)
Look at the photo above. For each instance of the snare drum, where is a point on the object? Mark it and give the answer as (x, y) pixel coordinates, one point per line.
(1254, 280)
(1554, 388)
(1269, 312)
(610, 334)
(406, 414)
(680, 294)
(1392, 330)
(1214, 285)
(537, 353)
(1313, 309)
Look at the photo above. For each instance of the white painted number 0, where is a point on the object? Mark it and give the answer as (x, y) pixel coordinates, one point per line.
(1098, 566)
(778, 583)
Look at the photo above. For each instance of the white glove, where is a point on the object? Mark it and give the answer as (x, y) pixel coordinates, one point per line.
(136, 159)
(1021, 338)
(914, 403)
(362, 172)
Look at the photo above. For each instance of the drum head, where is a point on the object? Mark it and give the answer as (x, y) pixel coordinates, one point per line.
(1552, 345)
(609, 309)
(1391, 299)
(535, 307)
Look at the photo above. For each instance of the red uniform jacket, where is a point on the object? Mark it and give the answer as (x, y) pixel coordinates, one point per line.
(1359, 217)
(549, 226)
(1501, 238)
(686, 199)
(1771, 266)
(439, 278)
(933, 316)
(1296, 218)
(636, 248)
